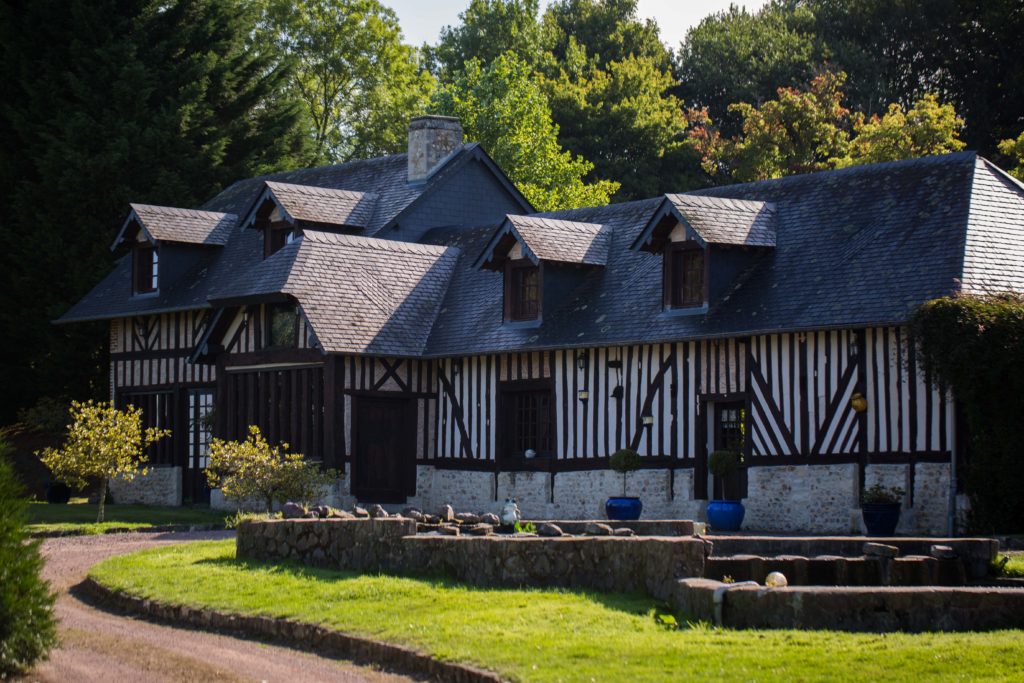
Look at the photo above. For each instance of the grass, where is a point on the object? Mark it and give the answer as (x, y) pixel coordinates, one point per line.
(80, 517)
(549, 635)
(1014, 567)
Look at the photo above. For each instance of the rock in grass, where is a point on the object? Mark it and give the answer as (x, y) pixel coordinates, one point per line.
(549, 530)
(292, 510)
(597, 529)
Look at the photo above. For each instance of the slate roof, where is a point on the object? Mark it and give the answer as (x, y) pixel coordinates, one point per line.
(550, 239)
(361, 295)
(854, 247)
(718, 220)
(323, 205)
(383, 176)
(173, 224)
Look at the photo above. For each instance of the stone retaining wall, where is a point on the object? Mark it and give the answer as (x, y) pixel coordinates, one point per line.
(850, 608)
(391, 545)
(160, 486)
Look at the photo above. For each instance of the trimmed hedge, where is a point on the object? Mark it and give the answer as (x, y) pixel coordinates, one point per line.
(26, 603)
(975, 346)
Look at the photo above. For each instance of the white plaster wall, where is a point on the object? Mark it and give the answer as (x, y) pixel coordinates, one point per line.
(160, 486)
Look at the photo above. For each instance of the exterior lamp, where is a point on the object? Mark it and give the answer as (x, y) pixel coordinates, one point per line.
(647, 420)
(583, 394)
(858, 402)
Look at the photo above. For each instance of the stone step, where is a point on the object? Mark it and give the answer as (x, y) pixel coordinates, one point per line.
(976, 554)
(833, 570)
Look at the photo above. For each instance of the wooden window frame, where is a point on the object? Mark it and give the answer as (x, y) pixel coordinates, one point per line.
(269, 325)
(513, 304)
(145, 269)
(669, 276)
(507, 391)
(275, 237)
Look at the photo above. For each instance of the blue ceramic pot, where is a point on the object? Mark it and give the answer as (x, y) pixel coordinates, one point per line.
(880, 519)
(623, 509)
(725, 515)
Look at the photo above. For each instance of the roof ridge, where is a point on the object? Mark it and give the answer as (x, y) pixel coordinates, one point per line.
(324, 237)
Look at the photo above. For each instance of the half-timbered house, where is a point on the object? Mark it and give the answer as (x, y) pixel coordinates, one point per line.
(411, 321)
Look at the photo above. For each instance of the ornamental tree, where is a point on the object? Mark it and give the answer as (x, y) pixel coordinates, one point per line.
(253, 469)
(102, 442)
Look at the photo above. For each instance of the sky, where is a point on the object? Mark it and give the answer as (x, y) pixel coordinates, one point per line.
(422, 20)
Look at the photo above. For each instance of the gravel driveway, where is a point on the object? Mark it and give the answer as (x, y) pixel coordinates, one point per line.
(98, 646)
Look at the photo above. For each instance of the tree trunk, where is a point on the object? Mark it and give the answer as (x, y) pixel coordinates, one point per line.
(103, 499)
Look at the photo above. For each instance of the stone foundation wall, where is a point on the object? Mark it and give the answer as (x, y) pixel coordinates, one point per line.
(633, 563)
(826, 498)
(160, 486)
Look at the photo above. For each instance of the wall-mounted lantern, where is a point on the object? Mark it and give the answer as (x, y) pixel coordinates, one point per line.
(858, 402)
(583, 394)
(581, 360)
(647, 420)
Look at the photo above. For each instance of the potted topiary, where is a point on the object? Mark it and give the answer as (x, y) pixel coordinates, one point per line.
(624, 461)
(880, 508)
(724, 514)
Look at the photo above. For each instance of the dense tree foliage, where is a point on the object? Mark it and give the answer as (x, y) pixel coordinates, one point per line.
(359, 82)
(804, 131)
(894, 51)
(27, 626)
(975, 346)
(1013, 150)
(503, 107)
(109, 102)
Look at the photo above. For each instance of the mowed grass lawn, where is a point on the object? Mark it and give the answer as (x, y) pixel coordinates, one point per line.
(1015, 566)
(80, 517)
(550, 635)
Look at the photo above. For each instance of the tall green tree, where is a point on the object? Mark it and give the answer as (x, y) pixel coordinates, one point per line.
(609, 30)
(1013, 149)
(111, 101)
(359, 82)
(926, 128)
(487, 30)
(503, 107)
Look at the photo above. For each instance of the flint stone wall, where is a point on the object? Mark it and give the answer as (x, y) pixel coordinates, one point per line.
(617, 564)
(160, 486)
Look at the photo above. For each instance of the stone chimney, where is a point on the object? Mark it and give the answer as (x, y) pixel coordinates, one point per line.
(431, 138)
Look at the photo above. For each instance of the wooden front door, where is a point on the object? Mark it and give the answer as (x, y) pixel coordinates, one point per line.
(384, 462)
(729, 427)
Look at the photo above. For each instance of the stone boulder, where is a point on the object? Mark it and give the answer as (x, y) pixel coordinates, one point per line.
(880, 550)
(468, 518)
(378, 512)
(414, 514)
(431, 519)
(446, 513)
(597, 529)
(341, 514)
(490, 518)
(943, 552)
(624, 531)
(549, 530)
(478, 529)
(360, 512)
(448, 530)
(292, 510)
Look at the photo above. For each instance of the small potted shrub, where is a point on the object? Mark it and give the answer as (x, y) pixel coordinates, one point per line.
(724, 514)
(624, 461)
(880, 508)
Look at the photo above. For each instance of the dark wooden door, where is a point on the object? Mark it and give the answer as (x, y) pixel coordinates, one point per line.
(730, 421)
(384, 462)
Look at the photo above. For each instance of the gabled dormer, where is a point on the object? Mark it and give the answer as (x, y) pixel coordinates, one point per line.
(541, 259)
(283, 210)
(705, 244)
(164, 241)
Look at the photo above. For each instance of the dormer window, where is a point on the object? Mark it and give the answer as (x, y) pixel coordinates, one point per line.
(522, 290)
(685, 275)
(276, 236)
(146, 268)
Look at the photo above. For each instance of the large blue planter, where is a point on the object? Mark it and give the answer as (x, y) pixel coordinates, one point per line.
(623, 509)
(880, 519)
(725, 515)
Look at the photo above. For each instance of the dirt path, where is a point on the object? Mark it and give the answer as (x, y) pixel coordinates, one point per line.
(97, 646)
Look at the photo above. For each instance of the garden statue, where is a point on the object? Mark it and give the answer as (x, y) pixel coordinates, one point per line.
(509, 512)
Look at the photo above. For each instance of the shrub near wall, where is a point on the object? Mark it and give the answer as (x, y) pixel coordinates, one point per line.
(26, 604)
(975, 345)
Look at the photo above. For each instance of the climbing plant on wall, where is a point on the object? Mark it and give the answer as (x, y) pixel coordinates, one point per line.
(975, 346)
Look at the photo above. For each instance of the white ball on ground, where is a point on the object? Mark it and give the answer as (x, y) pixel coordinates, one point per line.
(776, 580)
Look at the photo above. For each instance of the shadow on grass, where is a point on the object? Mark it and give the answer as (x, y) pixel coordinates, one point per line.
(636, 603)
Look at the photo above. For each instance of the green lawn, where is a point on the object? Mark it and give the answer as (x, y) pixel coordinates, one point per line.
(549, 635)
(1015, 567)
(80, 517)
